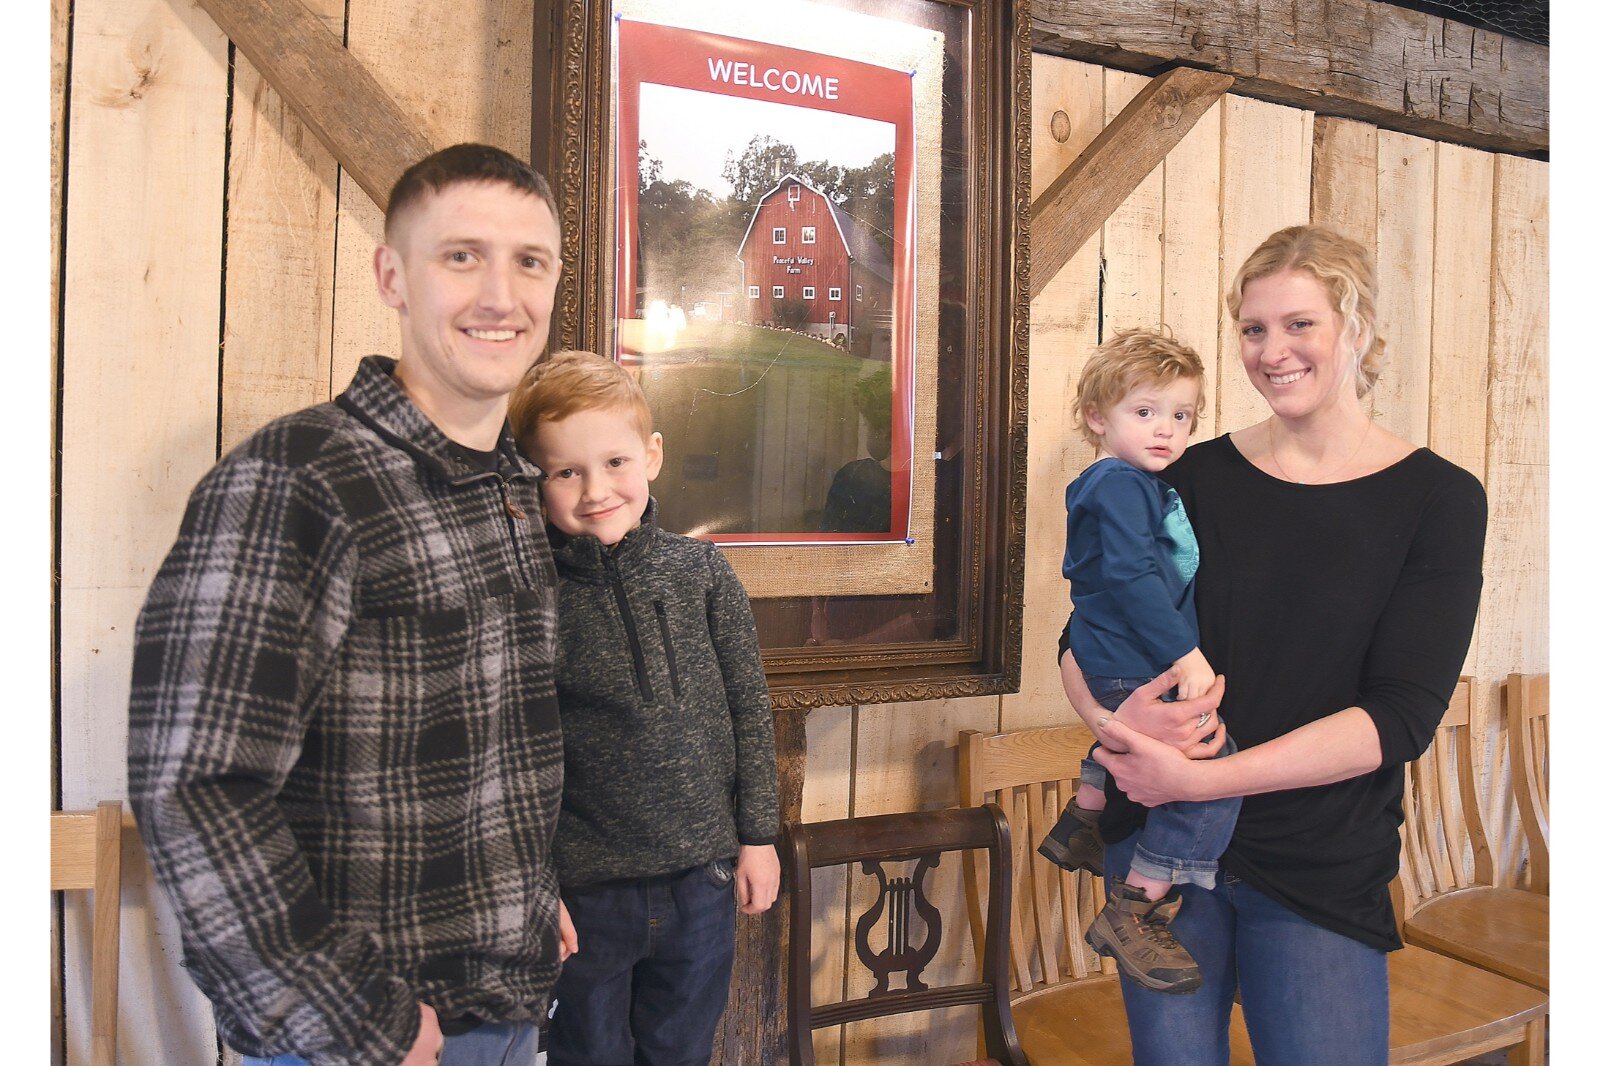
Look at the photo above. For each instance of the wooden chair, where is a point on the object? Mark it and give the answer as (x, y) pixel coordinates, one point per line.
(1065, 999)
(1441, 1010)
(86, 853)
(1441, 905)
(872, 841)
(1528, 719)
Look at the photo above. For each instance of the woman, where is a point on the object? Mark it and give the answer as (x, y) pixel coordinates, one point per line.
(1340, 568)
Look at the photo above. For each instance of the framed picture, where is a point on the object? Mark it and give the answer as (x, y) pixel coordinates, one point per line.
(804, 223)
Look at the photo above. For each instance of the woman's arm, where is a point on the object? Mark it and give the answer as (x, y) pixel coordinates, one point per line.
(1178, 724)
(1340, 746)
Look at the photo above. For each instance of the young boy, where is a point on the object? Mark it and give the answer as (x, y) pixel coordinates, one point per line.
(1131, 557)
(669, 810)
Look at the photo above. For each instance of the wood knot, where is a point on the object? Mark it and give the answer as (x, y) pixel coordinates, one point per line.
(1199, 41)
(1168, 106)
(1060, 127)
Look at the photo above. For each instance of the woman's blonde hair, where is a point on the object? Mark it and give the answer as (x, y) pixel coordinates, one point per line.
(1344, 268)
(1133, 357)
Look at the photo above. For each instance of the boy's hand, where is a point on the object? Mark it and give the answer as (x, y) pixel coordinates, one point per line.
(429, 1043)
(755, 877)
(569, 933)
(1194, 675)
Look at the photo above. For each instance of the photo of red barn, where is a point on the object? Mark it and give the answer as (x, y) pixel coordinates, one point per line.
(811, 266)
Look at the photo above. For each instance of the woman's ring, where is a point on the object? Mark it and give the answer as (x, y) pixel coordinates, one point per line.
(1205, 716)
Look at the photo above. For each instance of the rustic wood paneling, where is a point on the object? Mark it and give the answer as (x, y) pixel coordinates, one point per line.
(1513, 625)
(278, 316)
(334, 94)
(1463, 250)
(1191, 237)
(1069, 97)
(1130, 245)
(1266, 185)
(830, 743)
(1355, 58)
(1404, 263)
(1135, 141)
(1344, 177)
(139, 348)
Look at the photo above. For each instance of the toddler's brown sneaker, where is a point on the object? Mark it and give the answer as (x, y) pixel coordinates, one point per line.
(1135, 931)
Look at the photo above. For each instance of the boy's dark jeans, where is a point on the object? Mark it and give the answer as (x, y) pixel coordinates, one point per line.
(1182, 841)
(650, 978)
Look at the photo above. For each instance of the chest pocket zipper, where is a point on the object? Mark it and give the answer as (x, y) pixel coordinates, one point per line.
(666, 642)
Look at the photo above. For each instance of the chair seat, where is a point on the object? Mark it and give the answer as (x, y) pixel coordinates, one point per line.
(1440, 1010)
(1444, 1010)
(1082, 1024)
(1501, 929)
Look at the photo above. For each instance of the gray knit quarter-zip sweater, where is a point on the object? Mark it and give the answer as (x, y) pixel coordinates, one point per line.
(664, 708)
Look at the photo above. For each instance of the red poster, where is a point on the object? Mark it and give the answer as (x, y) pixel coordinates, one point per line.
(766, 283)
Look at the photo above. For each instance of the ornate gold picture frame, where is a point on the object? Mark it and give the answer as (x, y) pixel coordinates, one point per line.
(857, 447)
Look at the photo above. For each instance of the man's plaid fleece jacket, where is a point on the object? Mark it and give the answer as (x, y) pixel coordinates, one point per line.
(344, 751)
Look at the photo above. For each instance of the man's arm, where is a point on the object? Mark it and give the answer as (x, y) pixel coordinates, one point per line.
(237, 633)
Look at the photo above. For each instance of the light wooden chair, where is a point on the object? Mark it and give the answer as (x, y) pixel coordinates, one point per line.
(86, 853)
(1441, 1010)
(1064, 998)
(1528, 719)
(872, 841)
(1442, 905)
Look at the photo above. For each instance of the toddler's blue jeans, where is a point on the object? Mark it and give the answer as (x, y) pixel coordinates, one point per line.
(1181, 841)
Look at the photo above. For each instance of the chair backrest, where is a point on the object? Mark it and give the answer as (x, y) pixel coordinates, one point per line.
(872, 841)
(86, 853)
(1031, 774)
(1443, 820)
(1528, 719)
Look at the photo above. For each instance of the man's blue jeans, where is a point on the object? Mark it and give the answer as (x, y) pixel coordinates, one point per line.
(650, 979)
(1181, 841)
(504, 1044)
(1311, 996)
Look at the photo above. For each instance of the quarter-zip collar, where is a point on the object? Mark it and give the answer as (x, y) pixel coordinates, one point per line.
(376, 399)
(586, 559)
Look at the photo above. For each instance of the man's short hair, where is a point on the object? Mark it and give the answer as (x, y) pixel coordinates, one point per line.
(458, 164)
(570, 382)
(1133, 357)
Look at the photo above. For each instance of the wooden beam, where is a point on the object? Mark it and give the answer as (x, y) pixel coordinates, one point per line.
(1078, 202)
(1401, 69)
(329, 90)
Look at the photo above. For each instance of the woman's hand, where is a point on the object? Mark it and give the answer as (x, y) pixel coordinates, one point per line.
(1185, 724)
(1150, 772)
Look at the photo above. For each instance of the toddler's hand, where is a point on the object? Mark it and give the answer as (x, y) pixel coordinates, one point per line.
(1194, 675)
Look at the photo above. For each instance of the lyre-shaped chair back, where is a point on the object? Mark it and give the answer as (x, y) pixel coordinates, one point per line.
(1031, 774)
(1528, 719)
(86, 853)
(872, 841)
(1443, 843)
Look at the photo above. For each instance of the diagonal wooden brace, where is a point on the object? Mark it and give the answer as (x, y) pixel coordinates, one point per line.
(1078, 202)
(330, 91)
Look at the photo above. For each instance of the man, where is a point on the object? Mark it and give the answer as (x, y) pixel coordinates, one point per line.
(344, 752)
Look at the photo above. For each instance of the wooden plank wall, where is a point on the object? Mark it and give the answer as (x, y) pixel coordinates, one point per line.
(239, 287)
